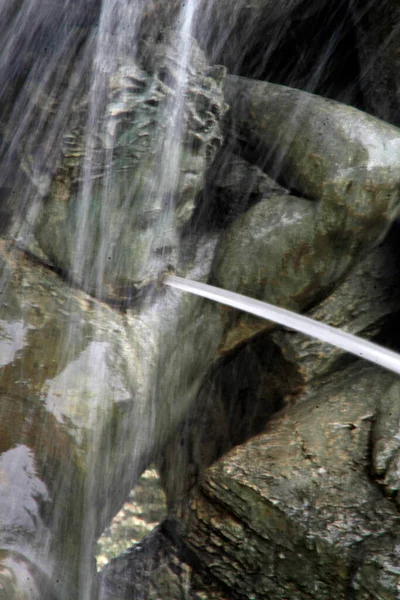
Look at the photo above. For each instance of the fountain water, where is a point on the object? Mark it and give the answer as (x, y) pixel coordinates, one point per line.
(341, 339)
(111, 120)
(69, 134)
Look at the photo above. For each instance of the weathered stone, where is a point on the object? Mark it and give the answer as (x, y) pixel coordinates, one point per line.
(365, 303)
(148, 152)
(324, 150)
(294, 513)
(283, 366)
(155, 569)
(90, 395)
(78, 382)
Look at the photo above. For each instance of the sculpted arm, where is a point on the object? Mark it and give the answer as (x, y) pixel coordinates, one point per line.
(344, 165)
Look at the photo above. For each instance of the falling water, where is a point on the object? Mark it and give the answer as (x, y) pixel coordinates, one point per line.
(76, 97)
(113, 113)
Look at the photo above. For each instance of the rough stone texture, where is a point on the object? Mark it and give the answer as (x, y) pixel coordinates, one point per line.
(230, 30)
(124, 384)
(91, 393)
(295, 513)
(78, 381)
(155, 569)
(65, 394)
(279, 367)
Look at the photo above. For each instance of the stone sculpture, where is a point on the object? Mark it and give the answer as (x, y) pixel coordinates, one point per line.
(92, 392)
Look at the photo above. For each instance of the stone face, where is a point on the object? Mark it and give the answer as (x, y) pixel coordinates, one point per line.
(377, 33)
(153, 138)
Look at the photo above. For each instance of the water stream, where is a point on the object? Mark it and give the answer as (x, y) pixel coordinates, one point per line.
(340, 339)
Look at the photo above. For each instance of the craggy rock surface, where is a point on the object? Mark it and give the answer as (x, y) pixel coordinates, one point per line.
(308, 508)
(366, 303)
(295, 512)
(155, 569)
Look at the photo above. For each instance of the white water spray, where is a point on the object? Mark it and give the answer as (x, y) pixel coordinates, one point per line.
(341, 339)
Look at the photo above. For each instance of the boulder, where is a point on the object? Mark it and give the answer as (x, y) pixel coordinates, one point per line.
(294, 512)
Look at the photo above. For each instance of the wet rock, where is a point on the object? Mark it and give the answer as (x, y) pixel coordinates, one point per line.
(282, 366)
(385, 439)
(155, 569)
(294, 512)
(65, 392)
(279, 249)
(141, 122)
(365, 303)
(232, 186)
(78, 382)
(95, 392)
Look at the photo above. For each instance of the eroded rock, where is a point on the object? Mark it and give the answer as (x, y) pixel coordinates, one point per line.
(294, 512)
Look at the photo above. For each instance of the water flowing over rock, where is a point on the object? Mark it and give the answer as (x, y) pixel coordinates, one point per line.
(126, 150)
(144, 123)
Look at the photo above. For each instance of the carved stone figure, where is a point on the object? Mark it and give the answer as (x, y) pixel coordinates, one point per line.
(91, 391)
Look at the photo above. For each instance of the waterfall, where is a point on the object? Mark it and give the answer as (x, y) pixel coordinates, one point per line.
(69, 121)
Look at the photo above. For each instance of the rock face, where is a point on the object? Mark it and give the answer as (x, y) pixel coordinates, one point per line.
(294, 513)
(78, 382)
